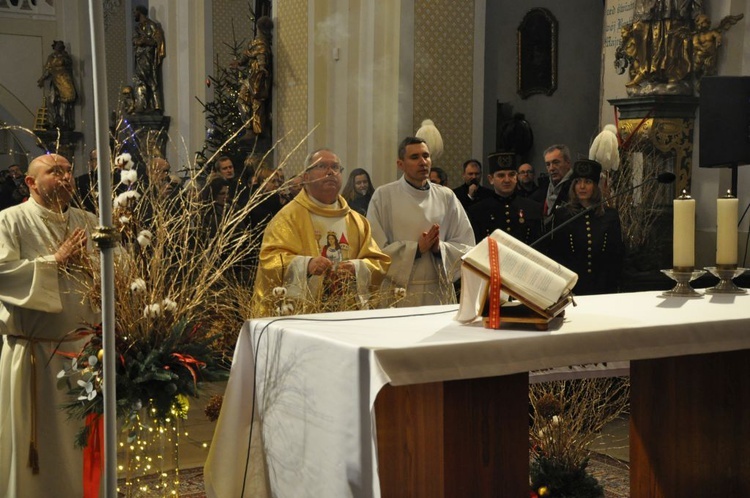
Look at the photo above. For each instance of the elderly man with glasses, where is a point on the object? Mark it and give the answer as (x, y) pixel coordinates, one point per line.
(317, 248)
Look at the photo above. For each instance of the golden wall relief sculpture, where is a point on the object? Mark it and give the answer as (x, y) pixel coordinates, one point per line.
(669, 46)
(671, 138)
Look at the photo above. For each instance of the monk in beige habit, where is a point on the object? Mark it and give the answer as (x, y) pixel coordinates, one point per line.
(44, 246)
(315, 241)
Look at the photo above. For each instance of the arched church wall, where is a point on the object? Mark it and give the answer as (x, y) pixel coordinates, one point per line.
(26, 38)
(571, 114)
(26, 44)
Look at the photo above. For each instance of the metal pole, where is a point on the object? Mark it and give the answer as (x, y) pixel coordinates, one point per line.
(106, 241)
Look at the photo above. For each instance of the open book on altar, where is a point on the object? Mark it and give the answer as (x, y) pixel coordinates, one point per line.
(525, 273)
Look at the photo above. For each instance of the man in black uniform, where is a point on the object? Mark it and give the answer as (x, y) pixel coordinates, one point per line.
(505, 209)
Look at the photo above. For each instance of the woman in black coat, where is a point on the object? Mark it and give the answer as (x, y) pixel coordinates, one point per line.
(591, 245)
(358, 191)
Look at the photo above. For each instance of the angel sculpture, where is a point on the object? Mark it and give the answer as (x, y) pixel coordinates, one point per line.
(706, 42)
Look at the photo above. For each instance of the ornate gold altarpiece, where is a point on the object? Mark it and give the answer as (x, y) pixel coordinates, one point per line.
(663, 124)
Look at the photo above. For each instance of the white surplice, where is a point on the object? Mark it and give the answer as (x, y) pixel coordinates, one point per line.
(39, 305)
(399, 213)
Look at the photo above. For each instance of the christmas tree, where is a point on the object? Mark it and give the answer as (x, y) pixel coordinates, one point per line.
(225, 124)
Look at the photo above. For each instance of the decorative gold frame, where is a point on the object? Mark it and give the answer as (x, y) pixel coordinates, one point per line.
(537, 53)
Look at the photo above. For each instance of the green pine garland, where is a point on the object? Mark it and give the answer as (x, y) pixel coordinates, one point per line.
(153, 375)
(563, 482)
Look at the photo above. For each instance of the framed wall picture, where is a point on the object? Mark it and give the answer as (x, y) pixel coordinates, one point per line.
(537, 53)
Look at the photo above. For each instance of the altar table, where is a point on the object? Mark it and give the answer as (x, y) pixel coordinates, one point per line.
(408, 402)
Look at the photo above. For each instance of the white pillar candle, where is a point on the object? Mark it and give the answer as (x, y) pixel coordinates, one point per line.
(726, 231)
(683, 245)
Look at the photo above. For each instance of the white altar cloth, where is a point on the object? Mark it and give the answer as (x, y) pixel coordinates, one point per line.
(318, 375)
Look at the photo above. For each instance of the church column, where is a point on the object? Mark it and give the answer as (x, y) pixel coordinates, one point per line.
(354, 82)
(359, 79)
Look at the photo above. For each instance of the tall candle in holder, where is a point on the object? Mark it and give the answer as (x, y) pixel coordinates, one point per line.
(683, 245)
(726, 231)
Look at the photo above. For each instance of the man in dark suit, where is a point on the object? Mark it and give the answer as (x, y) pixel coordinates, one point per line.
(527, 186)
(471, 191)
(557, 184)
(86, 185)
(13, 189)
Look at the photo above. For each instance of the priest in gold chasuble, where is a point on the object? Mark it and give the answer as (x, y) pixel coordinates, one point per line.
(317, 253)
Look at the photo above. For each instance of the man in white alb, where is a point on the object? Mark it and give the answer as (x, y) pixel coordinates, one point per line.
(44, 252)
(422, 227)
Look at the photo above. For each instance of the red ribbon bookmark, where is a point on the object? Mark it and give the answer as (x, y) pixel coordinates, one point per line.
(495, 284)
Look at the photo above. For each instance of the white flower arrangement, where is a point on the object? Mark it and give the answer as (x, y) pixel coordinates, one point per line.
(124, 161)
(138, 286)
(123, 199)
(285, 309)
(144, 238)
(152, 310)
(88, 392)
(169, 305)
(128, 177)
(89, 381)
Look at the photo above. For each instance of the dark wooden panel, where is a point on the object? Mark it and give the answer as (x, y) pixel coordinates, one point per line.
(409, 421)
(454, 439)
(487, 437)
(690, 426)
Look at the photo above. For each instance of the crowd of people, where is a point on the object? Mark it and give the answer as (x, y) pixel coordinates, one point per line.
(396, 245)
(418, 221)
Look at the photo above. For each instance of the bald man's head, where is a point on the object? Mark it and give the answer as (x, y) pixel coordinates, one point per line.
(49, 181)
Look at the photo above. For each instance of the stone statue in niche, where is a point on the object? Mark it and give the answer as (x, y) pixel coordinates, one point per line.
(59, 71)
(255, 92)
(668, 47)
(148, 51)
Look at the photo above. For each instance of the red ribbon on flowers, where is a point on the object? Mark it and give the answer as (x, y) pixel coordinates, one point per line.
(190, 363)
(495, 284)
(93, 455)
